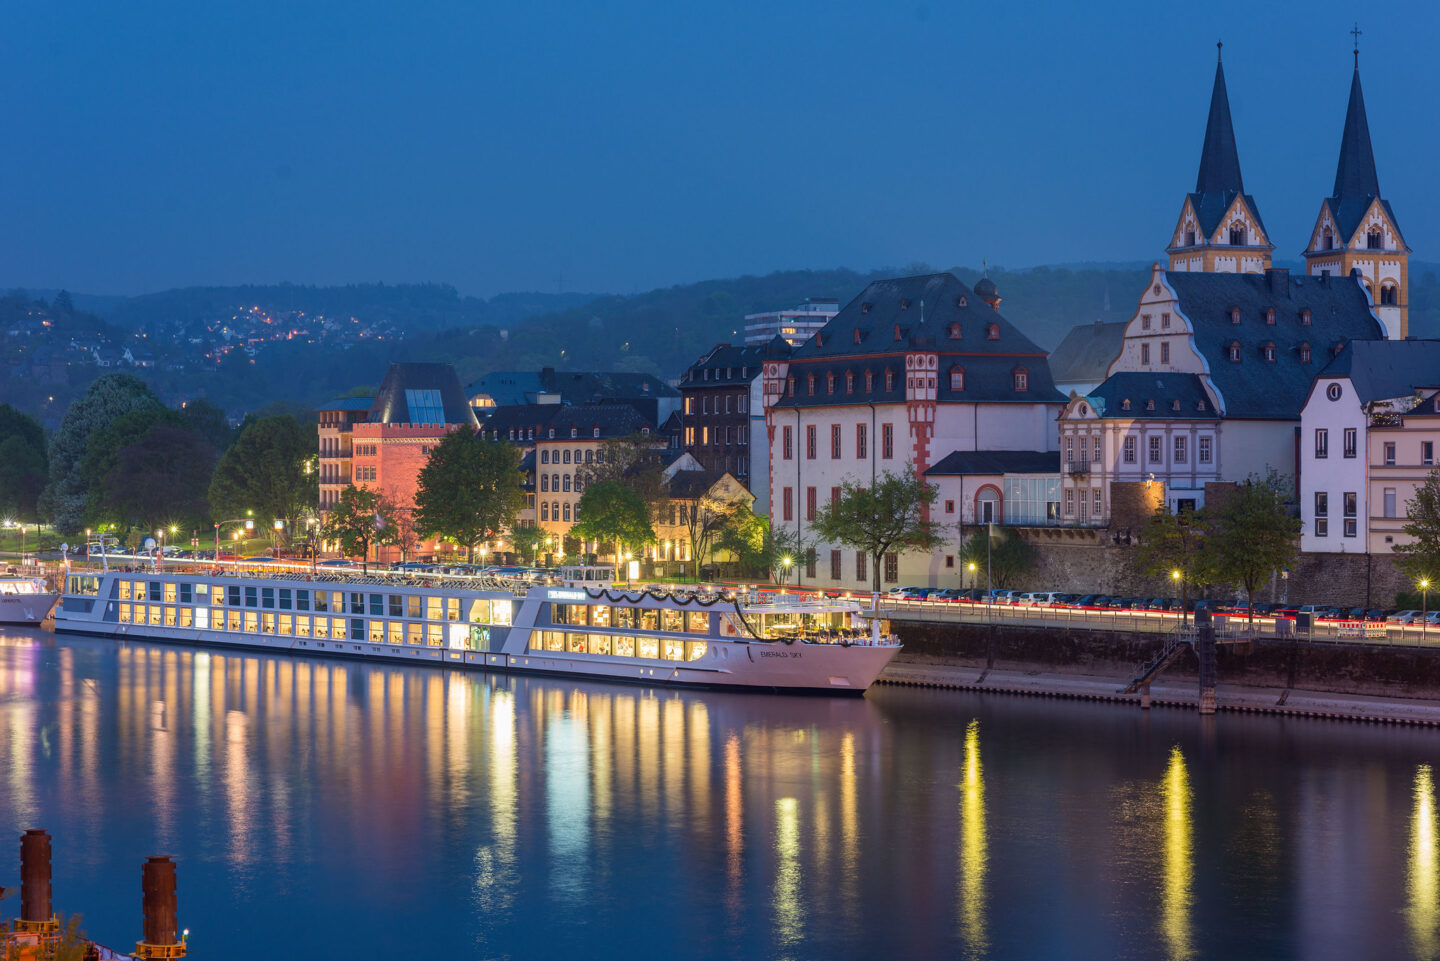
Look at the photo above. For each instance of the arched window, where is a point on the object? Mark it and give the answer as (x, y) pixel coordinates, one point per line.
(849, 381)
(1270, 316)
(566, 456)
(552, 433)
(961, 301)
(994, 332)
(565, 482)
(955, 330)
(544, 457)
(889, 380)
(1389, 295)
(590, 454)
(1150, 404)
(1022, 379)
(555, 510)
(869, 381)
(829, 383)
(595, 431)
(810, 384)
(957, 378)
(1234, 351)
(1237, 236)
(1304, 353)
(1125, 404)
(566, 508)
(545, 483)
(1373, 239)
(1305, 317)
(1267, 350)
(1234, 315)
(855, 335)
(574, 432)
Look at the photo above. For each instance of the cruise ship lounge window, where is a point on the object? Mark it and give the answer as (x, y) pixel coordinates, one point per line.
(414, 633)
(232, 595)
(302, 600)
(397, 605)
(302, 627)
(600, 616)
(252, 622)
(412, 606)
(187, 593)
(432, 609)
(671, 621)
(697, 622)
(267, 597)
(287, 601)
(377, 605)
(357, 629)
(624, 617)
(267, 623)
(251, 598)
(650, 620)
(395, 634)
(285, 625)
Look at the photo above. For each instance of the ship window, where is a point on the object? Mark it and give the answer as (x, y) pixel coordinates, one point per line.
(697, 622)
(650, 620)
(357, 629)
(672, 649)
(395, 633)
(267, 623)
(414, 633)
(232, 620)
(452, 608)
(252, 622)
(377, 632)
(412, 606)
(286, 603)
(624, 647)
(322, 601)
(432, 609)
(302, 600)
(286, 625)
(650, 646)
(267, 597)
(600, 616)
(357, 603)
(187, 593)
(671, 621)
(251, 600)
(169, 592)
(625, 617)
(377, 605)
(397, 605)
(202, 618)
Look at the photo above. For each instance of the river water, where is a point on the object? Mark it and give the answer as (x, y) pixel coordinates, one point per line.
(321, 808)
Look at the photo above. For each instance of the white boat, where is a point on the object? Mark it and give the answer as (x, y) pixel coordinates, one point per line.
(24, 600)
(525, 625)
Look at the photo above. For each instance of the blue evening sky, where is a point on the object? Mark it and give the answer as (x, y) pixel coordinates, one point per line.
(619, 146)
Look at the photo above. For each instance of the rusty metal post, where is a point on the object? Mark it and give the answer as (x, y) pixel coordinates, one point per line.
(35, 876)
(157, 883)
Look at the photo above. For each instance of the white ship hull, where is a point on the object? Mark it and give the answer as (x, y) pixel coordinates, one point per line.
(726, 655)
(25, 608)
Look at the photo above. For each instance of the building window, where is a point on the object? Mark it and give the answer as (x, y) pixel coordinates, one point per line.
(565, 482)
(1144, 353)
(949, 507)
(954, 331)
(860, 571)
(544, 457)
(810, 566)
(1304, 353)
(1389, 502)
(1234, 315)
(809, 503)
(1189, 238)
(892, 568)
(545, 483)
(1234, 351)
(1069, 502)
(1237, 236)
(1373, 240)
(834, 441)
(1390, 453)
(790, 386)
(1180, 450)
(1125, 404)
(1305, 317)
(787, 502)
(1269, 352)
(1144, 321)
(849, 382)
(887, 441)
(860, 441)
(566, 508)
(1165, 321)
(787, 443)
(889, 380)
(1203, 450)
(1084, 450)
(1022, 379)
(1270, 316)
(1427, 453)
(835, 565)
(1084, 501)
(1095, 504)
(1156, 452)
(1349, 442)
(829, 386)
(1069, 450)
(1322, 443)
(957, 378)
(1389, 296)
(810, 442)
(544, 510)
(1351, 505)
(869, 381)
(1128, 450)
(1322, 512)
(1164, 351)
(810, 384)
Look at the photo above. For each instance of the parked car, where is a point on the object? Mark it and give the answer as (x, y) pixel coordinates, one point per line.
(1403, 617)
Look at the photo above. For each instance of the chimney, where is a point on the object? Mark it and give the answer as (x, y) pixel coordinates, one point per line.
(157, 882)
(1279, 279)
(35, 876)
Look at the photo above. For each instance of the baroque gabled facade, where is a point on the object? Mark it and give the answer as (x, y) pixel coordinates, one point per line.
(1219, 229)
(1356, 229)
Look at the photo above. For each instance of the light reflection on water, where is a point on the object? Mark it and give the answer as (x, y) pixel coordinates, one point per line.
(512, 817)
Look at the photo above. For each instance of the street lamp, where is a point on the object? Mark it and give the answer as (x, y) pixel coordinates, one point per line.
(1177, 577)
(971, 568)
(1424, 619)
(785, 566)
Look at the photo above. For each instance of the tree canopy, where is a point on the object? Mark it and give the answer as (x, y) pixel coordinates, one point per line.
(1251, 532)
(469, 489)
(359, 520)
(886, 517)
(613, 513)
(1175, 544)
(1000, 562)
(159, 480)
(1420, 558)
(269, 470)
(24, 468)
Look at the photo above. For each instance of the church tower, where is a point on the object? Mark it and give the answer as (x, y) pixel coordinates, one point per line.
(1219, 230)
(1356, 229)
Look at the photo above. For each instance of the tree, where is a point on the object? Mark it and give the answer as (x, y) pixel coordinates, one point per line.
(158, 480)
(357, 521)
(209, 422)
(65, 497)
(634, 460)
(1004, 560)
(704, 519)
(23, 466)
(525, 535)
(613, 513)
(102, 455)
(886, 517)
(1420, 558)
(469, 489)
(270, 471)
(1172, 544)
(1251, 532)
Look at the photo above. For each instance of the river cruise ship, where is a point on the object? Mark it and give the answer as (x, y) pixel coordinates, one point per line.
(25, 600)
(569, 626)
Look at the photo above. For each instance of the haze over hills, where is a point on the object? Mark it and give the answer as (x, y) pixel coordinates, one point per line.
(251, 346)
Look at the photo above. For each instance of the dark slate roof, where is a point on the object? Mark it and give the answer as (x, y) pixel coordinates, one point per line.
(523, 418)
(391, 405)
(1219, 181)
(1380, 369)
(690, 484)
(726, 365)
(1254, 388)
(996, 462)
(1357, 184)
(1086, 352)
(347, 403)
(613, 420)
(511, 387)
(1171, 395)
(922, 312)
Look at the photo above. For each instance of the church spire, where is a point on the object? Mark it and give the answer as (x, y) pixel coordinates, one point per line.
(1219, 158)
(1355, 175)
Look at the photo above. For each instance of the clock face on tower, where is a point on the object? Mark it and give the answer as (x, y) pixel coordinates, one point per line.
(1334, 391)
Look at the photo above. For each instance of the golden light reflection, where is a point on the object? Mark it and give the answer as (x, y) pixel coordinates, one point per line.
(974, 849)
(1177, 894)
(1422, 911)
(849, 829)
(734, 829)
(789, 908)
(238, 792)
(495, 874)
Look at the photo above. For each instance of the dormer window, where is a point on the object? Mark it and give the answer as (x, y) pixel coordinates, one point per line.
(829, 383)
(889, 380)
(1150, 404)
(1270, 316)
(1200, 405)
(1267, 350)
(1125, 404)
(961, 301)
(574, 432)
(1336, 348)
(897, 331)
(594, 432)
(864, 308)
(904, 304)
(1373, 240)
(790, 386)
(1233, 350)
(954, 331)
(810, 384)
(819, 339)
(849, 382)
(1022, 379)
(1305, 317)
(1436, 404)
(857, 335)
(994, 332)
(957, 378)
(552, 433)
(1175, 404)
(1234, 315)
(1304, 353)
(869, 381)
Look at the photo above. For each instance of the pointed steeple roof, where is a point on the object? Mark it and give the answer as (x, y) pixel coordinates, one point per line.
(1357, 184)
(1219, 181)
(1219, 158)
